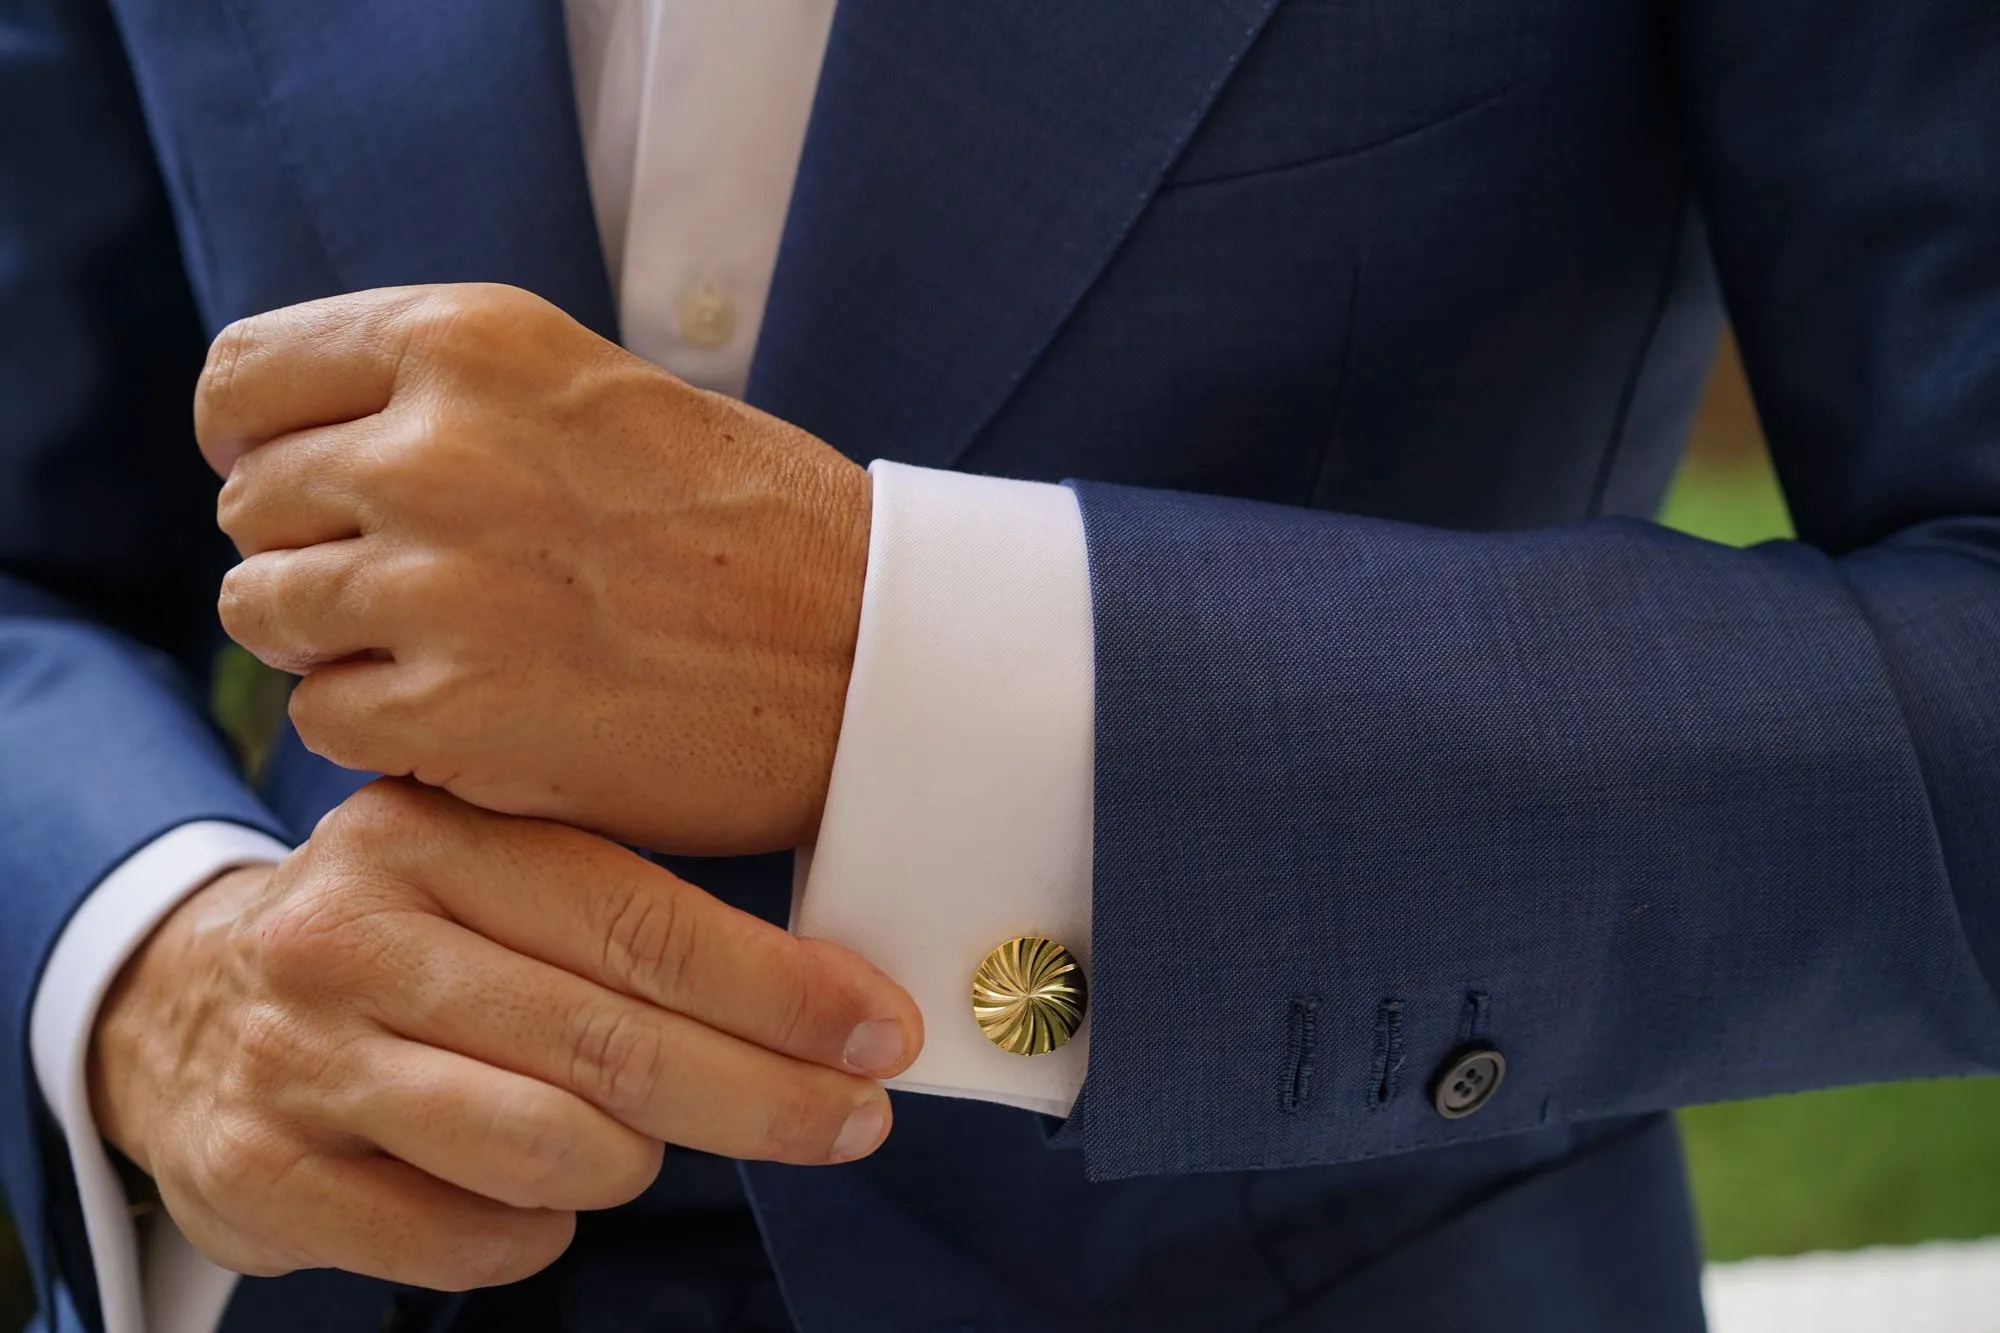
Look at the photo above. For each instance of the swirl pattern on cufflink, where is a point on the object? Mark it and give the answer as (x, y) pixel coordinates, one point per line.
(1029, 995)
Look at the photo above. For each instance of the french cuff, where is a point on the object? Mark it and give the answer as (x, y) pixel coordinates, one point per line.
(959, 812)
(169, 1288)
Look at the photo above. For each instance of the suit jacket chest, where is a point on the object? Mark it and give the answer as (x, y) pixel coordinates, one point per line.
(1378, 255)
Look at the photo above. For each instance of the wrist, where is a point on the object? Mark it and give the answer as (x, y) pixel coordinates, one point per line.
(841, 570)
(132, 1046)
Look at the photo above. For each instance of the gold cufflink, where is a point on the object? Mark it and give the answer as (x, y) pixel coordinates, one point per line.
(1028, 997)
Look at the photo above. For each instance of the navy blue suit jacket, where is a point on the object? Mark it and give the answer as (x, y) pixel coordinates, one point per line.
(1371, 327)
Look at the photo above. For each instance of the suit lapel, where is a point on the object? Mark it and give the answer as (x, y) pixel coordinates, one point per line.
(434, 142)
(969, 170)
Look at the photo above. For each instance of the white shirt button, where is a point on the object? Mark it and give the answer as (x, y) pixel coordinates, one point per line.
(707, 317)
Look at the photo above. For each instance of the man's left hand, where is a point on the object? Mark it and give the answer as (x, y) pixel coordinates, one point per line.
(515, 561)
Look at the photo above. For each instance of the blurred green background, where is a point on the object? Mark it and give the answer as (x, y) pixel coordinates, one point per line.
(1824, 1171)
(1832, 1170)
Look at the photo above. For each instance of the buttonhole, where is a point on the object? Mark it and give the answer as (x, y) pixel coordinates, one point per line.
(1388, 1051)
(1301, 1040)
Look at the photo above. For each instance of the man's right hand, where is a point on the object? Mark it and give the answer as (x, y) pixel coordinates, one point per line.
(418, 1045)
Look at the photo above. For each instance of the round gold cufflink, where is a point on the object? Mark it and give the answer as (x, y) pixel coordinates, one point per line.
(1028, 997)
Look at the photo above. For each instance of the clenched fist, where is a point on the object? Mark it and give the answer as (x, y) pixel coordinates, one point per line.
(417, 1046)
(514, 561)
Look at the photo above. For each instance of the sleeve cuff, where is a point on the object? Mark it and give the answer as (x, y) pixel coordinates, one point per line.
(959, 813)
(180, 1292)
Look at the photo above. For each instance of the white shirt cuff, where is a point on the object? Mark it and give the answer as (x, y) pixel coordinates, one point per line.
(179, 1292)
(959, 814)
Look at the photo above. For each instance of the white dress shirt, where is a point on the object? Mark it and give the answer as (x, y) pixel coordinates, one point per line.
(960, 809)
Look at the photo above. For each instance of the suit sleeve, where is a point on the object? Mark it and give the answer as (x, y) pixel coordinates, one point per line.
(1660, 821)
(107, 556)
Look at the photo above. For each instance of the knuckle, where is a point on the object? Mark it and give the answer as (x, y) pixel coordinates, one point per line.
(240, 601)
(342, 590)
(428, 999)
(618, 1058)
(301, 937)
(447, 772)
(416, 836)
(467, 329)
(383, 814)
(345, 725)
(457, 321)
(250, 605)
(498, 304)
(225, 357)
(265, 1045)
(241, 1235)
(640, 1173)
(651, 940)
(443, 598)
(256, 1259)
(241, 1158)
(233, 502)
(516, 1245)
(800, 994)
(538, 1144)
(404, 467)
(317, 728)
(440, 318)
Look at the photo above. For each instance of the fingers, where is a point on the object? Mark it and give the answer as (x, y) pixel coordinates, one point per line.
(301, 488)
(386, 1219)
(512, 1139)
(361, 714)
(346, 357)
(295, 609)
(307, 365)
(596, 910)
(661, 1073)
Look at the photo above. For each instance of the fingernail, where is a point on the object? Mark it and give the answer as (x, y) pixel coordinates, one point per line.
(875, 1046)
(861, 1133)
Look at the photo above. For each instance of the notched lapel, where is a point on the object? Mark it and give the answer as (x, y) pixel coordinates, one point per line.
(434, 142)
(969, 170)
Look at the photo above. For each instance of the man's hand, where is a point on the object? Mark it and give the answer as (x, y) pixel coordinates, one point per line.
(415, 1047)
(515, 561)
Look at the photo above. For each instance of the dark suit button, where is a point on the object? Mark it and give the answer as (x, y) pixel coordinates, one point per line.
(1467, 1081)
